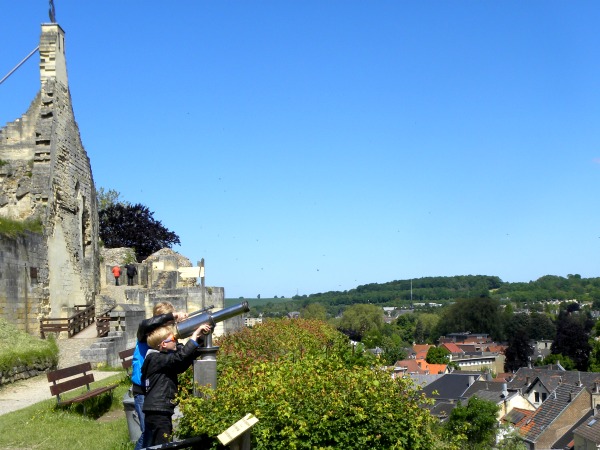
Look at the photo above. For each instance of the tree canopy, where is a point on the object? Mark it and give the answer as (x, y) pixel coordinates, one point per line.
(359, 320)
(572, 337)
(477, 420)
(133, 225)
(519, 351)
(477, 315)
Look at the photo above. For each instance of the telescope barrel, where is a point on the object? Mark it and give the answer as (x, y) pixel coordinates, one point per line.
(200, 311)
(186, 327)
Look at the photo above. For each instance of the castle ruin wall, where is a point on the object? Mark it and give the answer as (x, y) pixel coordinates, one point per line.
(45, 174)
(23, 269)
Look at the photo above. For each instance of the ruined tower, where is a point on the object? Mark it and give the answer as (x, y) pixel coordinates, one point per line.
(45, 175)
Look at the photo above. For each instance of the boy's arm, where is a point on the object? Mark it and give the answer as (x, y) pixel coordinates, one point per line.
(147, 326)
(179, 360)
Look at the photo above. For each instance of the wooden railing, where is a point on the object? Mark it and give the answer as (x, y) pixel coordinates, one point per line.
(103, 323)
(84, 316)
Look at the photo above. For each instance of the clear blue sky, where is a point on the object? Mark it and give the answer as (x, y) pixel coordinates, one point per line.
(309, 146)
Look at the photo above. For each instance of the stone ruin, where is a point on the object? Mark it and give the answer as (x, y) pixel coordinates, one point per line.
(46, 175)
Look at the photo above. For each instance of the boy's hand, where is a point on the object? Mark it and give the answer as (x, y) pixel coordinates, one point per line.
(179, 316)
(205, 328)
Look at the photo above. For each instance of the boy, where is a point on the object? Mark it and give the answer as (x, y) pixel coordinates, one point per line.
(162, 314)
(164, 361)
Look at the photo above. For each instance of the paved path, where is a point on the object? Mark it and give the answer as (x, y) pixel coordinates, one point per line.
(23, 393)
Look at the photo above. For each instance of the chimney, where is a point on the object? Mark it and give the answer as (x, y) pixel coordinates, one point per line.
(504, 390)
(52, 54)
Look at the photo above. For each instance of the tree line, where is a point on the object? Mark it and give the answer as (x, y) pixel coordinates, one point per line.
(570, 327)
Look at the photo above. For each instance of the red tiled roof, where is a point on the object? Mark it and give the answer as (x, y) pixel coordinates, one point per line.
(421, 347)
(452, 347)
(421, 366)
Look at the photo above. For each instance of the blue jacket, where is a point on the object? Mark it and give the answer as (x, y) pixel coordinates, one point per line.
(141, 348)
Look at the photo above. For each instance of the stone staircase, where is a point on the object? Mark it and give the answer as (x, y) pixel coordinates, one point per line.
(87, 346)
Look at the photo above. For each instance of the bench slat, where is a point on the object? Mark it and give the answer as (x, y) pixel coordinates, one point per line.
(69, 371)
(89, 394)
(127, 358)
(65, 386)
(70, 378)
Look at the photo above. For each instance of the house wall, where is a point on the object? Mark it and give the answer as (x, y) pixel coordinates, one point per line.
(542, 394)
(495, 363)
(576, 410)
(581, 443)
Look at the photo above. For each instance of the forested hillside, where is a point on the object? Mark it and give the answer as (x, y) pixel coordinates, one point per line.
(405, 293)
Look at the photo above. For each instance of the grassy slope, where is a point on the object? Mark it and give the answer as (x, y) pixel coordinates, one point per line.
(43, 427)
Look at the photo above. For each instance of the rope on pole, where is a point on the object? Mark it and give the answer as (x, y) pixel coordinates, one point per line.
(20, 64)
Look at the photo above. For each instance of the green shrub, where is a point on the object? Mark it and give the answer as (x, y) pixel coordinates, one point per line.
(301, 380)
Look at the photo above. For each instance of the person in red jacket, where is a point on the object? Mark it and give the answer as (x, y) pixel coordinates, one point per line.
(117, 273)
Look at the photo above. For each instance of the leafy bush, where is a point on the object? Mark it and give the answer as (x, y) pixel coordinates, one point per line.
(309, 390)
(18, 348)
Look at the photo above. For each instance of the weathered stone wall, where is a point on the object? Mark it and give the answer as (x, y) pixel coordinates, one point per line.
(23, 372)
(23, 271)
(46, 174)
(188, 300)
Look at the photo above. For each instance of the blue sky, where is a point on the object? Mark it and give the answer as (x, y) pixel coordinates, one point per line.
(308, 146)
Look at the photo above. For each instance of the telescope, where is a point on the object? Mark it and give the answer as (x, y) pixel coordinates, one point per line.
(186, 327)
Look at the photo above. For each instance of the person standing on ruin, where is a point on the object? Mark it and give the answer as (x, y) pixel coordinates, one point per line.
(131, 272)
(117, 273)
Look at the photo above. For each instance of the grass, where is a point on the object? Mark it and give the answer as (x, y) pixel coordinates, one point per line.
(18, 348)
(43, 426)
(13, 228)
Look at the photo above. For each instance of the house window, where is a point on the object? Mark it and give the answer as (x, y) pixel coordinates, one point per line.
(537, 397)
(544, 396)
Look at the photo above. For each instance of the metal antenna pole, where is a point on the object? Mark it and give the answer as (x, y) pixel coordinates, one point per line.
(20, 64)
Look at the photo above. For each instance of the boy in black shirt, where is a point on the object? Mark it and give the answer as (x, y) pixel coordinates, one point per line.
(164, 361)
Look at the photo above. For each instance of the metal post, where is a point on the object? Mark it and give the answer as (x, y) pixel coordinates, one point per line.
(205, 368)
(20, 64)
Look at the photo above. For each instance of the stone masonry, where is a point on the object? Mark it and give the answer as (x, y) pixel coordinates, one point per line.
(45, 175)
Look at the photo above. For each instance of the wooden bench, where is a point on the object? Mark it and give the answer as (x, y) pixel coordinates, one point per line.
(70, 378)
(127, 359)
